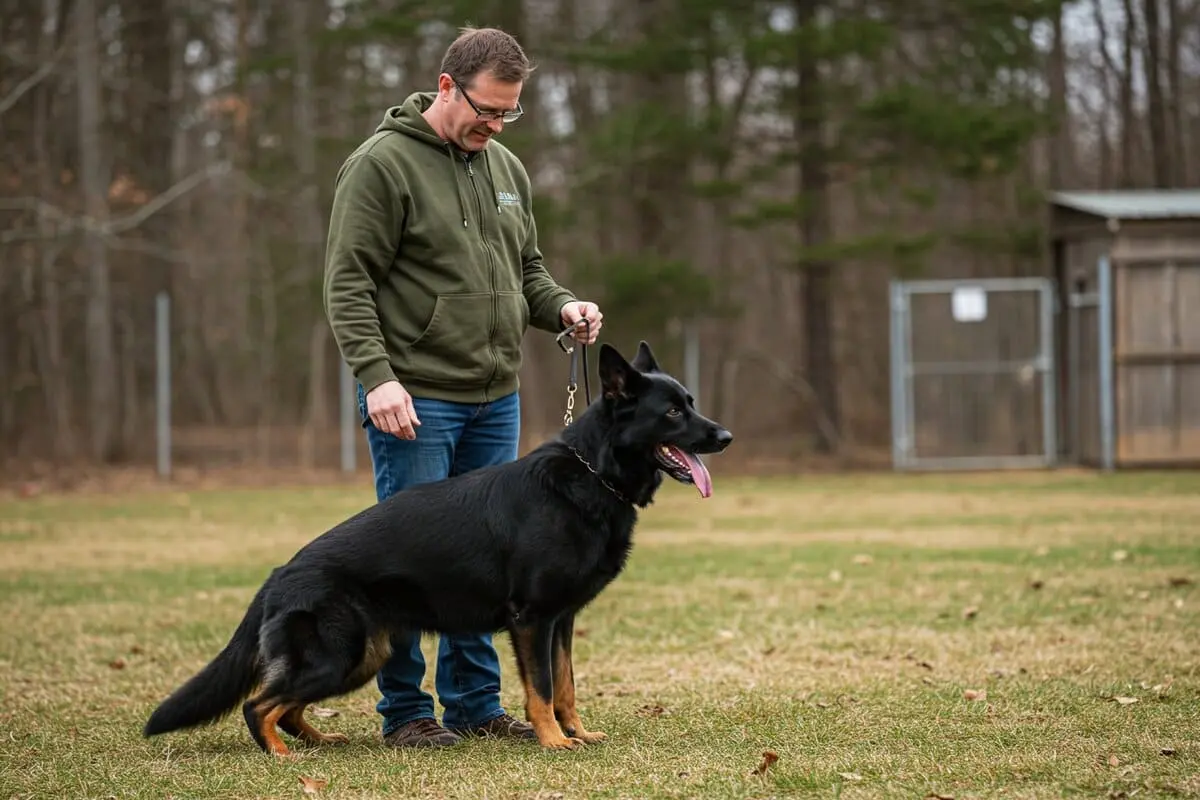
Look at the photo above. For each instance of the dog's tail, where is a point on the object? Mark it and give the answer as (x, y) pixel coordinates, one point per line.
(221, 685)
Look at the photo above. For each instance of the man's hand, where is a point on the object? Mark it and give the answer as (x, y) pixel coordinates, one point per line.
(573, 313)
(390, 407)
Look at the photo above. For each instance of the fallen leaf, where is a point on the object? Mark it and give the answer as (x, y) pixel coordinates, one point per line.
(822, 704)
(1167, 751)
(1036, 584)
(970, 612)
(725, 635)
(324, 713)
(313, 785)
(1179, 580)
(939, 796)
(1113, 761)
(649, 710)
(1120, 555)
(769, 650)
(835, 575)
(975, 694)
(136, 650)
(117, 663)
(925, 664)
(1126, 701)
(850, 776)
(769, 758)
(863, 558)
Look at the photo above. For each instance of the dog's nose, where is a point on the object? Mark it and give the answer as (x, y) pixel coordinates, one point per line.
(723, 438)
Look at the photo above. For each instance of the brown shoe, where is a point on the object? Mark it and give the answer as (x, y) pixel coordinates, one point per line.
(503, 725)
(423, 732)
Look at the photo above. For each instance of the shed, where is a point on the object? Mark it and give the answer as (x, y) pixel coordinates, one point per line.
(1128, 264)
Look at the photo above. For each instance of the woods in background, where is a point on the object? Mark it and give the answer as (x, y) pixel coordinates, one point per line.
(754, 172)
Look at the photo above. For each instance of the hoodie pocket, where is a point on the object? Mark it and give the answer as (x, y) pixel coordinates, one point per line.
(512, 319)
(454, 344)
(458, 342)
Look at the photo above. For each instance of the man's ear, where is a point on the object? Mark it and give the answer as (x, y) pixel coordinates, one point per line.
(618, 378)
(644, 361)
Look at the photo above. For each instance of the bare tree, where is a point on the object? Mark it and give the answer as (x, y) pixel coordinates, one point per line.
(101, 411)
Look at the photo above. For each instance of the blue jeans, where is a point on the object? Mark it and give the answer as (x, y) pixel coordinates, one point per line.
(453, 438)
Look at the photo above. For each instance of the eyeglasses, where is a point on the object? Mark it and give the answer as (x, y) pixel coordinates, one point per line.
(487, 116)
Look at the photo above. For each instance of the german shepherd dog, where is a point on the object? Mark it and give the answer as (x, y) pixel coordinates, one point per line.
(522, 547)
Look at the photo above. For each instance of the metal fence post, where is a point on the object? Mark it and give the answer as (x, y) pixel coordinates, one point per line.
(897, 327)
(1049, 367)
(1105, 367)
(162, 355)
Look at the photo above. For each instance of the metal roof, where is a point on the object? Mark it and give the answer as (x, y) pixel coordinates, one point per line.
(1133, 203)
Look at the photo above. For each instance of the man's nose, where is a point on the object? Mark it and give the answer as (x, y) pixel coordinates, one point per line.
(495, 125)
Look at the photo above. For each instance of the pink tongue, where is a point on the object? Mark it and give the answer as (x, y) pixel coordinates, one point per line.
(700, 474)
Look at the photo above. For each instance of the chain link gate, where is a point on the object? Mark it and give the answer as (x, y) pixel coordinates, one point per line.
(973, 373)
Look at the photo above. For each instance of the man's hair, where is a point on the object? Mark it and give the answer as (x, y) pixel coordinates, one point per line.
(486, 49)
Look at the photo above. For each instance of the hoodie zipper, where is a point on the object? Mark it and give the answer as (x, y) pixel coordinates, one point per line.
(492, 278)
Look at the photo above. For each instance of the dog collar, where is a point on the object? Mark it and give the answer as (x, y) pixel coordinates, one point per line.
(592, 470)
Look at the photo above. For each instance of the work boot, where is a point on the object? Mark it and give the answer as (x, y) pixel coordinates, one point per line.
(423, 732)
(501, 726)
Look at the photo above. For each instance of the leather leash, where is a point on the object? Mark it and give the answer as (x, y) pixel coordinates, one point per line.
(574, 350)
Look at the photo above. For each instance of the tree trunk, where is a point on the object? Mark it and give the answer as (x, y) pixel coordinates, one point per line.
(307, 212)
(816, 273)
(1160, 153)
(1062, 167)
(1128, 115)
(1175, 94)
(101, 410)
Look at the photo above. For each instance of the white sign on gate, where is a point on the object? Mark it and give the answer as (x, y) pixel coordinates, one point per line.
(968, 304)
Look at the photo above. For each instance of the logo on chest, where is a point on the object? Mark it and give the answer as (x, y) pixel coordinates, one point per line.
(508, 198)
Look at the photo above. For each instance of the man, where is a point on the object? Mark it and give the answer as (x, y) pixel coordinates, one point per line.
(433, 274)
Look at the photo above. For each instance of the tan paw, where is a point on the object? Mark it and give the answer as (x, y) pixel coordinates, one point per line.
(563, 743)
(592, 737)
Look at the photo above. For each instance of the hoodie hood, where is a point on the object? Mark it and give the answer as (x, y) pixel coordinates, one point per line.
(407, 119)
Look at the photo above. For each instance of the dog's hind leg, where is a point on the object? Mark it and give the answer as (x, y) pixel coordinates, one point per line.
(293, 723)
(564, 684)
(532, 644)
(262, 716)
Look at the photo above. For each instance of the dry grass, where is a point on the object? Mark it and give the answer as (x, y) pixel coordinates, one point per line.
(844, 623)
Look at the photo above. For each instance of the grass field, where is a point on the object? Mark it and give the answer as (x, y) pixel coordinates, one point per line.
(958, 636)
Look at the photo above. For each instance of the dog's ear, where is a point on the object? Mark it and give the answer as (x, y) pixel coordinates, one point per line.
(618, 378)
(644, 361)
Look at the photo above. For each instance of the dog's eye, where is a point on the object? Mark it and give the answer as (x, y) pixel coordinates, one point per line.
(673, 412)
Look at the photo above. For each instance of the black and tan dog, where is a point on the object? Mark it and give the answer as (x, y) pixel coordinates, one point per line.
(520, 547)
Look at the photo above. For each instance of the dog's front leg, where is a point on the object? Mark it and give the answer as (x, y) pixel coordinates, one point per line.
(564, 684)
(533, 645)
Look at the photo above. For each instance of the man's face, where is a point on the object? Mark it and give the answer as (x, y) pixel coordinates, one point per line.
(463, 127)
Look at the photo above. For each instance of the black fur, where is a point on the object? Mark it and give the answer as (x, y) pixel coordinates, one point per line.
(520, 547)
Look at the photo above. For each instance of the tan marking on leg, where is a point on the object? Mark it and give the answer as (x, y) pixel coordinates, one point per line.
(539, 711)
(564, 699)
(307, 733)
(266, 727)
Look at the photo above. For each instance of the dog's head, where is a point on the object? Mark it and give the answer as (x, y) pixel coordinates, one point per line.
(657, 416)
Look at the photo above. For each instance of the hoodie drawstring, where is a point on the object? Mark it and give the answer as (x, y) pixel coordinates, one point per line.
(462, 203)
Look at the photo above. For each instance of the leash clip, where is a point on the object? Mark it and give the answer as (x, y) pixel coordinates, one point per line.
(572, 384)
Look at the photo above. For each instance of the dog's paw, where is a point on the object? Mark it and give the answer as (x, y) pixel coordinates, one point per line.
(334, 738)
(563, 743)
(592, 737)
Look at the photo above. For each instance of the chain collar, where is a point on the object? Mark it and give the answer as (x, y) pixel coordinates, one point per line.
(592, 470)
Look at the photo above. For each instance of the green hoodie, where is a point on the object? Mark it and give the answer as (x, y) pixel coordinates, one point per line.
(432, 268)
